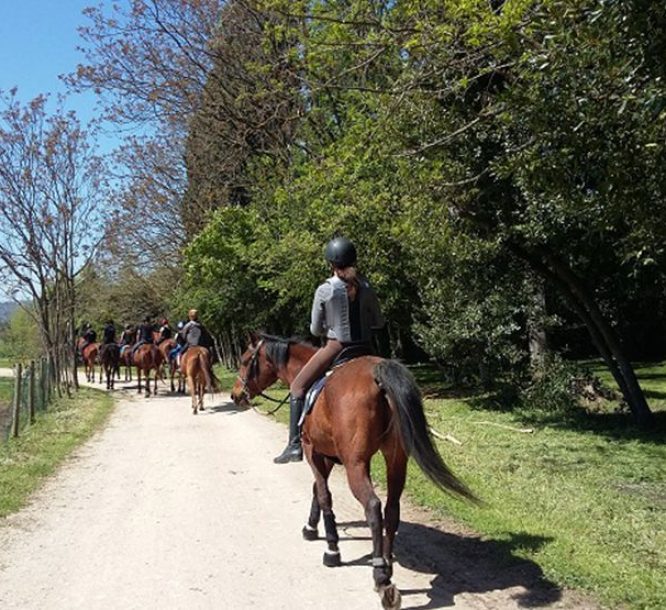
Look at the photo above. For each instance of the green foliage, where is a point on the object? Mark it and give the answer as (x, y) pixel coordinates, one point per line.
(465, 146)
(555, 393)
(126, 296)
(19, 339)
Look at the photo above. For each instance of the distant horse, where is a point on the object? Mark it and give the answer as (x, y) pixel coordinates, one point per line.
(109, 357)
(165, 348)
(147, 358)
(125, 359)
(195, 366)
(367, 405)
(89, 357)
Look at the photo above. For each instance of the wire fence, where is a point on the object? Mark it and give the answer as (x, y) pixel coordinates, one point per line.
(31, 393)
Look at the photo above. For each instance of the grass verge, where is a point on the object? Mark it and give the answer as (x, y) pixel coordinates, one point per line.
(27, 460)
(584, 499)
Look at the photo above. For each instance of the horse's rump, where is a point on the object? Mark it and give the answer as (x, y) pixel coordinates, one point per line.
(90, 352)
(196, 363)
(146, 357)
(109, 354)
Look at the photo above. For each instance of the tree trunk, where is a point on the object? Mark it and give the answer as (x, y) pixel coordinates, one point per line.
(537, 340)
(601, 332)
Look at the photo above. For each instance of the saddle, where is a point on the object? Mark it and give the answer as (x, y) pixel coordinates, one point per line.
(348, 353)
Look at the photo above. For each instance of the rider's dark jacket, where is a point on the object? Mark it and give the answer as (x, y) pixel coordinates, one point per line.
(146, 332)
(109, 334)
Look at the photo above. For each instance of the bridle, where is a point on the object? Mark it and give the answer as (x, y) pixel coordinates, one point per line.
(252, 369)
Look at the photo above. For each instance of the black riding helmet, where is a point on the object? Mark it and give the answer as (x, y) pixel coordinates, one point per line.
(340, 252)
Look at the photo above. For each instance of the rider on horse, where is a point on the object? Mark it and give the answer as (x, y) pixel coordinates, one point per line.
(345, 310)
(145, 334)
(109, 333)
(194, 333)
(180, 341)
(165, 331)
(89, 337)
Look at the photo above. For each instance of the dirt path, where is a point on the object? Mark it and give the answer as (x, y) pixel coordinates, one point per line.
(166, 510)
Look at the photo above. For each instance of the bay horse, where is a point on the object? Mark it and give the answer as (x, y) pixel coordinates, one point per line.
(195, 366)
(125, 359)
(147, 358)
(165, 348)
(368, 404)
(89, 357)
(109, 357)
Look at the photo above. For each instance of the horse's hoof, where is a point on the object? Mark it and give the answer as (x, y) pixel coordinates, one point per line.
(332, 559)
(310, 533)
(390, 597)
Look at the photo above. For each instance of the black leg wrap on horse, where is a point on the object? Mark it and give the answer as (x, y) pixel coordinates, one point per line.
(293, 452)
(382, 571)
(331, 528)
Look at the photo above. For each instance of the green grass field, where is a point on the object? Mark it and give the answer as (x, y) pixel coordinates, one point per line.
(26, 461)
(585, 499)
(6, 389)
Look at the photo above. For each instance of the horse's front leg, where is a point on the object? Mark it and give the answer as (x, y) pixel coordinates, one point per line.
(321, 468)
(138, 374)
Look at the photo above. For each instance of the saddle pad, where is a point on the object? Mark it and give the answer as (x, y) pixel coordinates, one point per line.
(312, 395)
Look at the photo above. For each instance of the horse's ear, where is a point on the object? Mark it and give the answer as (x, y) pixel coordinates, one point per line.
(253, 337)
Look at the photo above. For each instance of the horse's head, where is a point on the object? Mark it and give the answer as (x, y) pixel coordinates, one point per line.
(257, 372)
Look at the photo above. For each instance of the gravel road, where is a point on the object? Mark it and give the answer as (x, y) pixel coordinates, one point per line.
(164, 509)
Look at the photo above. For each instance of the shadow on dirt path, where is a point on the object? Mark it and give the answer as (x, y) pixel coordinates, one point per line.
(463, 564)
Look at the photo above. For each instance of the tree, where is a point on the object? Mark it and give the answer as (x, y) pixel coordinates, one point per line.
(51, 188)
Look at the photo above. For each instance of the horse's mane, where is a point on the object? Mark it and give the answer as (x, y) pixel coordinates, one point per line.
(277, 348)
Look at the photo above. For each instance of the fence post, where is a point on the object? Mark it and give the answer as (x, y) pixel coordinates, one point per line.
(42, 382)
(18, 370)
(49, 380)
(31, 392)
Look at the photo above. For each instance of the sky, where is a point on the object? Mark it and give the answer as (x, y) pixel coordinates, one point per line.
(38, 40)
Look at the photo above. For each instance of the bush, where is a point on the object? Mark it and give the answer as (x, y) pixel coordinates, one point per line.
(556, 392)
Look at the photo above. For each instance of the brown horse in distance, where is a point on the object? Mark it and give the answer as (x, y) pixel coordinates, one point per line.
(195, 366)
(147, 358)
(165, 347)
(367, 405)
(89, 357)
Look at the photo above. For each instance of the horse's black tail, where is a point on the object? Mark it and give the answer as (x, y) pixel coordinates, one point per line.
(405, 400)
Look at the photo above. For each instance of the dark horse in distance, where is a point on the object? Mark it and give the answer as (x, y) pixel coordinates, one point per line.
(368, 405)
(109, 358)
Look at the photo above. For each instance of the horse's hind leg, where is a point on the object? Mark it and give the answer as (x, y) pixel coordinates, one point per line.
(359, 481)
(193, 393)
(396, 474)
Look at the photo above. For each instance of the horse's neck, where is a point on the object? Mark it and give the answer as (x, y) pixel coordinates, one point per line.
(298, 356)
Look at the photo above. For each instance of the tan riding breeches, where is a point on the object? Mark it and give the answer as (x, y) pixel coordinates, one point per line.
(314, 368)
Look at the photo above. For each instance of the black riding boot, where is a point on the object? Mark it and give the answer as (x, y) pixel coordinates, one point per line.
(293, 452)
